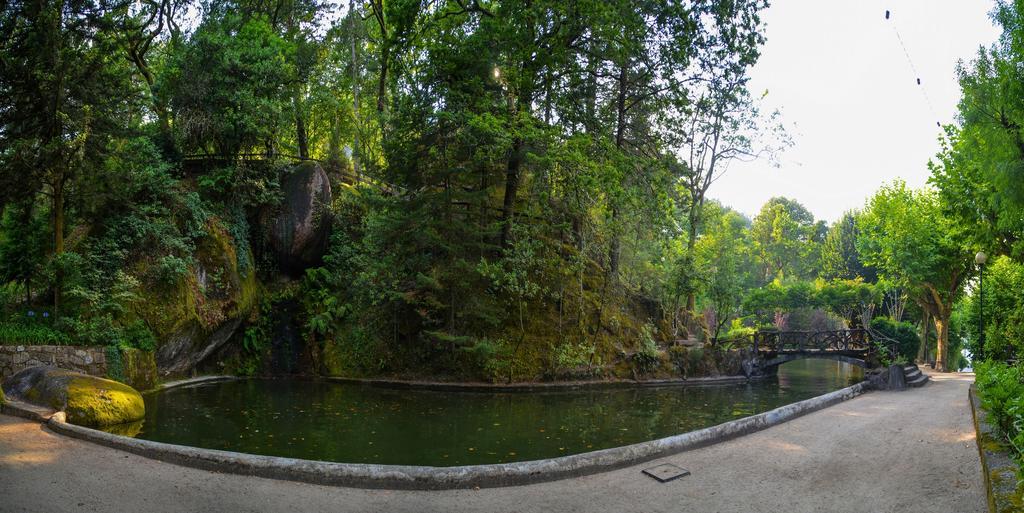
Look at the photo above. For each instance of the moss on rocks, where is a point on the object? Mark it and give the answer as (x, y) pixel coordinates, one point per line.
(95, 402)
(86, 400)
(201, 311)
(139, 368)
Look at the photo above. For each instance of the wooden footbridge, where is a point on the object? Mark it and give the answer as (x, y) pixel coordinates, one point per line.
(855, 346)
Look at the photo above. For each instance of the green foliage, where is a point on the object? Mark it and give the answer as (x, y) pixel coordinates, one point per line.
(910, 239)
(226, 84)
(31, 333)
(115, 364)
(981, 164)
(839, 257)
(786, 239)
(24, 238)
(845, 298)
(739, 331)
(258, 334)
(577, 360)
(647, 358)
(725, 265)
(1001, 391)
(1003, 311)
(516, 202)
(904, 334)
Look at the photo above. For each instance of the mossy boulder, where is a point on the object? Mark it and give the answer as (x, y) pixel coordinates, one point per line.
(203, 310)
(298, 229)
(86, 400)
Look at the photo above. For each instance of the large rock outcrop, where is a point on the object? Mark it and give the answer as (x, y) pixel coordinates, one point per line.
(197, 316)
(298, 229)
(86, 400)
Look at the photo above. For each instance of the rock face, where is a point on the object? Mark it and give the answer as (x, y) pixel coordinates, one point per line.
(891, 378)
(206, 307)
(86, 400)
(298, 230)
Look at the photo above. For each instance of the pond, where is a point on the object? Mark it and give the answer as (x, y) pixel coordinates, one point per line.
(357, 423)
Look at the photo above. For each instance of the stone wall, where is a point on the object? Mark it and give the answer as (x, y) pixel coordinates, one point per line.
(89, 360)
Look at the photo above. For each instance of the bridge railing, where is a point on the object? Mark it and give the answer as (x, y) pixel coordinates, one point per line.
(812, 341)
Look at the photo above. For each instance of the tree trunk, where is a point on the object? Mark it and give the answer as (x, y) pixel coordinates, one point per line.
(160, 109)
(58, 242)
(942, 334)
(385, 56)
(620, 137)
(922, 351)
(511, 190)
(334, 145)
(515, 162)
(300, 127)
(690, 316)
(355, 91)
(615, 245)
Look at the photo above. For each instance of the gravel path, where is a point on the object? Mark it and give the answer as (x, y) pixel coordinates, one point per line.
(881, 452)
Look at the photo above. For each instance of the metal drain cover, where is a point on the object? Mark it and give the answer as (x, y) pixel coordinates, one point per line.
(666, 472)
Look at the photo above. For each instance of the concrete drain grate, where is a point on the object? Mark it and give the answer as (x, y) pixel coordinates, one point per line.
(666, 472)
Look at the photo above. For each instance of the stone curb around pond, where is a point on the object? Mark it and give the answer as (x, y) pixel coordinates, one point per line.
(405, 477)
(997, 467)
(189, 381)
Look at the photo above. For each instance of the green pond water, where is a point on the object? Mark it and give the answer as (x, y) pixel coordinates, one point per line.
(355, 423)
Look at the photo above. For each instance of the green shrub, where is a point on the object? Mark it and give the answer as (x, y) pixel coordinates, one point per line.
(1001, 391)
(31, 333)
(576, 360)
(688, 361)
(646, 358)
(999, 386)
(904, 333)
(115, 364)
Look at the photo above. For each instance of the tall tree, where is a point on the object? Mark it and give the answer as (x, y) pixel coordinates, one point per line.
(718, 123)
(64, 95)
(907, 237)
(839, 257)
(786, 239)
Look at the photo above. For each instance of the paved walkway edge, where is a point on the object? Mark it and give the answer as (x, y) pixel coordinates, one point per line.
(997, 467)
(440, 478)
(26, 410)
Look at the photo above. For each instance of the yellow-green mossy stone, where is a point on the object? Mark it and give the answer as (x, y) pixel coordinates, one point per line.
(86, 400)
(98, 402)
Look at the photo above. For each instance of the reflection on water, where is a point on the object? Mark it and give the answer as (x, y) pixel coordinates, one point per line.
(365, 424)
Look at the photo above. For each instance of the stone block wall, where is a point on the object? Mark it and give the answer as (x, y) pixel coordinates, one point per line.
(88, 360)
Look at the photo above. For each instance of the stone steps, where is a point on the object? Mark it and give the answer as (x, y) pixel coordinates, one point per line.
(913, 376)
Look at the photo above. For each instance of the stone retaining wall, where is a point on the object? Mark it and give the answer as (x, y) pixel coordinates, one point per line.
(88, 360)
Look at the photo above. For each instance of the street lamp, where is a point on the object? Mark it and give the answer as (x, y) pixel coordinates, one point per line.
(980, 259)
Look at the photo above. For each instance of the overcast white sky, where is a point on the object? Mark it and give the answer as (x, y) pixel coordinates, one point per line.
(857, 117)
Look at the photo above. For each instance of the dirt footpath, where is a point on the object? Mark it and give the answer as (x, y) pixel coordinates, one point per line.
(881, 452)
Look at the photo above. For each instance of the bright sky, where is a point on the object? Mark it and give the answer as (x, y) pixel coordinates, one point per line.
(857, 117)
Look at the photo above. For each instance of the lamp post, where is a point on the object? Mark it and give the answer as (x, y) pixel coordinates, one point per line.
(980, 259)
